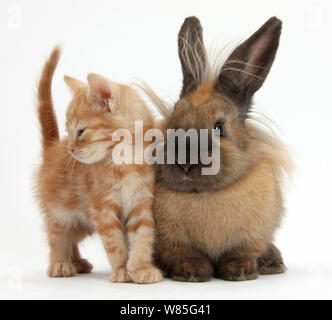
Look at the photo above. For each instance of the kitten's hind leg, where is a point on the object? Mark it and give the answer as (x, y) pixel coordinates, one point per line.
(271, 262)
(60, 264)
(140, 229)
(81, 265)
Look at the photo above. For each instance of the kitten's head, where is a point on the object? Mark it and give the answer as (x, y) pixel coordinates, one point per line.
(95, 112)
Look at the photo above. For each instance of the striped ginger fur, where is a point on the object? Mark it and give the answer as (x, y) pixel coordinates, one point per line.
(80, 189)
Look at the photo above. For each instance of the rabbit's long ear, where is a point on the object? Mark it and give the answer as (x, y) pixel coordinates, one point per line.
(192, 54)
(247, 67)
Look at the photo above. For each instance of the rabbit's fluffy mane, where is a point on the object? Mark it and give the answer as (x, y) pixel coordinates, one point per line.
(205, 69)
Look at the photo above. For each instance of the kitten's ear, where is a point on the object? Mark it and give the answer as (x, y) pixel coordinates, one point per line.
(99, 91)
(192, 54)
(247, 67)
(74, 85)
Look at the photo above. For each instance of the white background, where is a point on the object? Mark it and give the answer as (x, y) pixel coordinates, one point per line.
(125, 40)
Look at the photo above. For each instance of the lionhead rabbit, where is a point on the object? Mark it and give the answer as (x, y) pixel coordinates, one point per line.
(222, 224)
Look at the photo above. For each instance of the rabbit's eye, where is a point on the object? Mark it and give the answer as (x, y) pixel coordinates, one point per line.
(220, 129)
(80, 132)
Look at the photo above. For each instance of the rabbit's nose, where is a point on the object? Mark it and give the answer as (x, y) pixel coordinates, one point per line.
(185, 167)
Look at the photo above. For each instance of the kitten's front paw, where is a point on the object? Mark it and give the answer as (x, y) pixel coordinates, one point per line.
(146, 275)
(61, 269)
(119, 275)
(238, 270)
(83, 266)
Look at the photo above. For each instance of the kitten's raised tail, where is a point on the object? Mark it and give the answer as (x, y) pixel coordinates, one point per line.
(47, 118)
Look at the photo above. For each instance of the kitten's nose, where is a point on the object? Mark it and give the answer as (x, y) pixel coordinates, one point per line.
(185, 167)
(70, 150)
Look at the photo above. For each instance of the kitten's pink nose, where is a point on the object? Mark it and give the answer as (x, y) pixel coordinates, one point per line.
(70, 150)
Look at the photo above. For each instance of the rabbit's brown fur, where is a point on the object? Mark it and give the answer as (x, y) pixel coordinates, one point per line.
(222, 224)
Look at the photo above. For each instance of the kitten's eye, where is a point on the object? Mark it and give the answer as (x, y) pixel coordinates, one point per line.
(80, 132)
(219, 126)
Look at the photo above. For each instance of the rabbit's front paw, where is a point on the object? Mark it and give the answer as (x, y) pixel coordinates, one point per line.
(192, 270)
(237, 270)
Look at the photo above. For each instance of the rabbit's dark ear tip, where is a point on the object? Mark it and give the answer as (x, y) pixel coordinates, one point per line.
(276, 22)
(191, 20)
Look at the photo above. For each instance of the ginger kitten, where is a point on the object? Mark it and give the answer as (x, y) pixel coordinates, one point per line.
(80, 188)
